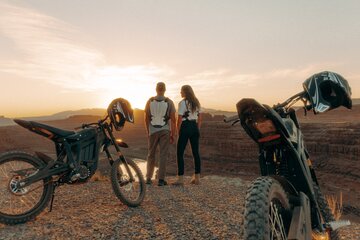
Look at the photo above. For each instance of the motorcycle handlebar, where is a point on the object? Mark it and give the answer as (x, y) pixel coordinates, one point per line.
(77, 128)
(296, 97)
(85, 125)
(231, 119)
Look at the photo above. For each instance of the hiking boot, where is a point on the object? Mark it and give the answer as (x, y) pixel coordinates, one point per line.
(162, 183)
(195, 179)
(179, 181)
(148, 181)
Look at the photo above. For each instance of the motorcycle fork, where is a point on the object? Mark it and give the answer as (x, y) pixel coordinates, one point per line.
(121, 156)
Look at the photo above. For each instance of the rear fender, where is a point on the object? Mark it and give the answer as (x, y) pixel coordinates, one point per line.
(262, 123)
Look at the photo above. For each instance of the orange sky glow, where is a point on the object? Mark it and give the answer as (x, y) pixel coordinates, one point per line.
(68, 55)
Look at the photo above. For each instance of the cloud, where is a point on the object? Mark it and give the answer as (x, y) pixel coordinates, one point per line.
(46, 47)
(229, 79)
(222, 78)
(50, 51)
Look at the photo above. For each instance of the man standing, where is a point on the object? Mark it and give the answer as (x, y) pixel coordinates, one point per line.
(158, 111)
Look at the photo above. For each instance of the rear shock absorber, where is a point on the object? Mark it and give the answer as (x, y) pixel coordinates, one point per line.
(281, 163)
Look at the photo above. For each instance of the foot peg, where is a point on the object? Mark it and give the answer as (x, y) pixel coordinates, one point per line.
(75, 177)
(334, 225)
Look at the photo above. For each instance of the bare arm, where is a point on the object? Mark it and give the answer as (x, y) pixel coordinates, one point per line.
(199, 121)
(146, 121)
(173, 124)
(147, 117)
(179, 121)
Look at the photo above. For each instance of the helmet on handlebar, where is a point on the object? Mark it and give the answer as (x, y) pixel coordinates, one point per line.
(119, 112)
(327, 90)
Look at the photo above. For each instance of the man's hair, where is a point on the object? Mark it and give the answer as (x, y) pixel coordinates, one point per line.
(160, 87)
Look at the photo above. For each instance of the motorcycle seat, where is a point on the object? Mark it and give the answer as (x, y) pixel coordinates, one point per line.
(44, 130)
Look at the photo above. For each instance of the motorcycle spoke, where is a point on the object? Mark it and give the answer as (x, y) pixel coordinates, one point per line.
(3, 172)
(16, 200)
(276, 223)
(24, 202)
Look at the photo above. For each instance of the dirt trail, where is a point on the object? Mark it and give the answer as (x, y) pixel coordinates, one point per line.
(212, 210)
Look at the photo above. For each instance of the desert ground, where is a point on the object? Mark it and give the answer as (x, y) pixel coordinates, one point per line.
(212, 211)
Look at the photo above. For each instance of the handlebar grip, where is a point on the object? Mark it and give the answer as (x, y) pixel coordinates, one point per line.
(231, 119)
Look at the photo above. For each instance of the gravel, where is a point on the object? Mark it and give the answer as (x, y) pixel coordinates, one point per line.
(212, 210)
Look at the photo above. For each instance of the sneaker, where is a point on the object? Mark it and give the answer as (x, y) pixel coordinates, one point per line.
(148, 181)
(179, 181)
(195, 179)
(162, 182)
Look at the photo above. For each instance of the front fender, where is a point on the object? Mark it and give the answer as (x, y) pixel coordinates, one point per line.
(288, 187)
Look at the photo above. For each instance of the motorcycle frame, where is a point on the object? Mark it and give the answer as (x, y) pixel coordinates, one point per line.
(64, 148)
(300, 174)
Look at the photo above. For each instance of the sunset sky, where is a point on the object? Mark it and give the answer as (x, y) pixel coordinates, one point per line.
(73, 54)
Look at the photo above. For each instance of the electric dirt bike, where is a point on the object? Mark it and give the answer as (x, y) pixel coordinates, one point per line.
(286, 201)
(28, 182)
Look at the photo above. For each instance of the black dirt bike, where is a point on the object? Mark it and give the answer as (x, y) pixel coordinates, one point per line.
(286, 201)
(27, 182)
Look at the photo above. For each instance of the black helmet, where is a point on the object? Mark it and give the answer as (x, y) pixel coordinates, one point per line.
(120, 111)
(327, 90)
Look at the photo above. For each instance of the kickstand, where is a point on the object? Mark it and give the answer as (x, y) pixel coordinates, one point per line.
(52, 199)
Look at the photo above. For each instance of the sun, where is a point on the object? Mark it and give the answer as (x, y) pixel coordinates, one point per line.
(134, 83)
(136, 95)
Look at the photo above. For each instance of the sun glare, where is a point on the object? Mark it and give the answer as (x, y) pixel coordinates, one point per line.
(135, 94)
(136, 84)
(136, 97)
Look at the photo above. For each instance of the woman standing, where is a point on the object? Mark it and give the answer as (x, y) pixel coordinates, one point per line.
(188, 125)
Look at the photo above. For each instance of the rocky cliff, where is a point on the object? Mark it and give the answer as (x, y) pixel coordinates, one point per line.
(331, 138)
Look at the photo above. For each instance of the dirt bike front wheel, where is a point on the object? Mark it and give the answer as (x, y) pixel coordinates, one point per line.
(21, 204)
(267, 213)
(129, 188)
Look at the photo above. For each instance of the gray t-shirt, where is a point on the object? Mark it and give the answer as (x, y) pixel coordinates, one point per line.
(172, 110)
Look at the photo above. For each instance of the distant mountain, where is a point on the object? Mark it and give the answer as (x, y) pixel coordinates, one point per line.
(6, 121)
(57, 116)
(139, 115)
(67, 114)
(218, 112)
(356, 101)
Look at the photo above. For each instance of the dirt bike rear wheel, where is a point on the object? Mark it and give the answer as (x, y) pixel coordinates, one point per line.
(130, 192)
(19, 205)
(267, 212)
